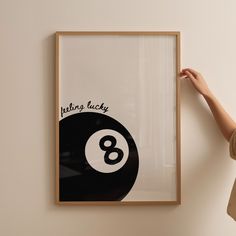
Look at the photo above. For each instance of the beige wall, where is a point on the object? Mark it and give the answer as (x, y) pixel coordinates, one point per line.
(27, 123)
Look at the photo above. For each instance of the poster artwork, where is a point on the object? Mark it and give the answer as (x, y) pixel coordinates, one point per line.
(117, 133)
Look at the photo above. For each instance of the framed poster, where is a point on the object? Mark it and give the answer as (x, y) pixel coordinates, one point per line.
(117, 118)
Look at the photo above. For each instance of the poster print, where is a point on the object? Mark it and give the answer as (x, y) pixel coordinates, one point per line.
(117, 118)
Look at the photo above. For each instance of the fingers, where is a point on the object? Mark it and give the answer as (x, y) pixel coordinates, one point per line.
(192, 71)
(181, 73)
(188, 73)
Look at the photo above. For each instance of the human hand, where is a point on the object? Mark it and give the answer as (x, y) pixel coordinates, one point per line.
(197, 80)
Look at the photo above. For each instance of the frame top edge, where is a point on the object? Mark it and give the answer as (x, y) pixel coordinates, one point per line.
(71, 33)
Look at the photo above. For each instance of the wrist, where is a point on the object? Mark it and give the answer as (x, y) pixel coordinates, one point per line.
(211, 101)
(208, 95)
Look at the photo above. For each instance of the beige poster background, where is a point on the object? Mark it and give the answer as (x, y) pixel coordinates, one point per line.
(135, 78)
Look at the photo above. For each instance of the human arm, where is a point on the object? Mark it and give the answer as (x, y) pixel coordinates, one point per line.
(225, 123)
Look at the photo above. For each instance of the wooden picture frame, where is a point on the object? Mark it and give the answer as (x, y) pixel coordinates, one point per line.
(118, 118)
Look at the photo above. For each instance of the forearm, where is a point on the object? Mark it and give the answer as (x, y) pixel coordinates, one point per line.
(223, 119)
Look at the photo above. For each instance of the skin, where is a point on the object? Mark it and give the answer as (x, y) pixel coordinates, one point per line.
(225, 123)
